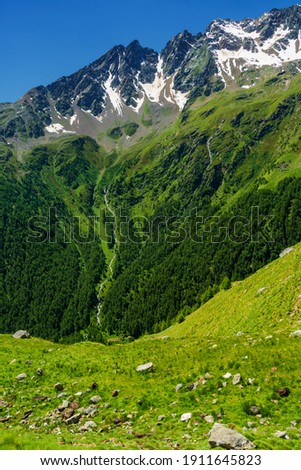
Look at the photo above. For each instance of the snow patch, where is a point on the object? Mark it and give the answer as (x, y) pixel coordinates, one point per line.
(73, 119)
(56, 128)
(113, 95)
(153, 90)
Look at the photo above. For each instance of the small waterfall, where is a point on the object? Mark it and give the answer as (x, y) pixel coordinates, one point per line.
(111, 265)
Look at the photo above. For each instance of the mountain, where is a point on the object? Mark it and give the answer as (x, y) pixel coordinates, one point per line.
(137, 85)
(251, 337)
(99, 240)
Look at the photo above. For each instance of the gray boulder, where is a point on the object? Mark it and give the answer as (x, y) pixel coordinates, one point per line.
(236, 379)
(295, 334)
(95, 400)
(220, 436)
(88, 426)
(74, 419)
(21, 334)
(21, 377)
(186, 417)
(145, 367)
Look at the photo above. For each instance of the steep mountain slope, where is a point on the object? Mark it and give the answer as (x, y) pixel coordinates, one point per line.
(215, 197)
(252, 337)
(138, 85)
(235, 153)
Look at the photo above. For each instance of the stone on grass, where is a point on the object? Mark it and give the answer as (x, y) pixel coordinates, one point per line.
(161, 418)
(209, 419)
(40, 372)
(236, 379)
(145, 367)
(178, 387)
(115, 393)
(64, 405)
(260, 291)
(227, 375)
(21, 334)
(95, 400)
(229, 439)
(186, 417)
(254, 410)
(281, 435)
(295, 334)
(74, 419)
(88, 426)
(59, 387)
(21, 377)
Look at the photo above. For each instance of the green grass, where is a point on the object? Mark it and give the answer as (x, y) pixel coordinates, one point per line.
(206, 342)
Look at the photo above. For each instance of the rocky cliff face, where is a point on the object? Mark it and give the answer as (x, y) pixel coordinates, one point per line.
(135, 83)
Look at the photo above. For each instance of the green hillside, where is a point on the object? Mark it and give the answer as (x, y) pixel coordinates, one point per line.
(245, 330)
(72, 269)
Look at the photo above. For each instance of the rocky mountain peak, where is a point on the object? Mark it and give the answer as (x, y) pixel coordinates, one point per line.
(129, 79)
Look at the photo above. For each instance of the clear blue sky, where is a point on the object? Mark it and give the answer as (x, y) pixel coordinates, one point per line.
(43, 40)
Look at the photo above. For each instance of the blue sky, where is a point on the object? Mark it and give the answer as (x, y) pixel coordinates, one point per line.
(41, 41)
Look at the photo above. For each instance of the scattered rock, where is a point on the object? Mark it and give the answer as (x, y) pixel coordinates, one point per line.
(145, 367)
(95, 400)
(187, 436)
(21, 334)
(68, 413)
(285, 252)
(28, 363)
(250, 381)
(140, 402)
(59, 387)
(208, 376)
(240, 333)
(5, 420)
(202, 380)
(209, 419)
(178, 387)
(40, 372)
(193, 386)
(253, 410)
(236, 379)
(274, 370)
(94, 385)
(161, 418)
(281, 435)
(13, 362)
(21, 377)
(39, 398)
(260, 291)
(115, 393)
(186, 417)
(64, 405)
(165, 338)
(74, 419)
(62, 395)
(227, 375)
(295, 334)
(78, 394)
(269, 337)
(26, 414)
(88, 426)
(283, 392)
(229, 439)
(117, 420)
(91, 410)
